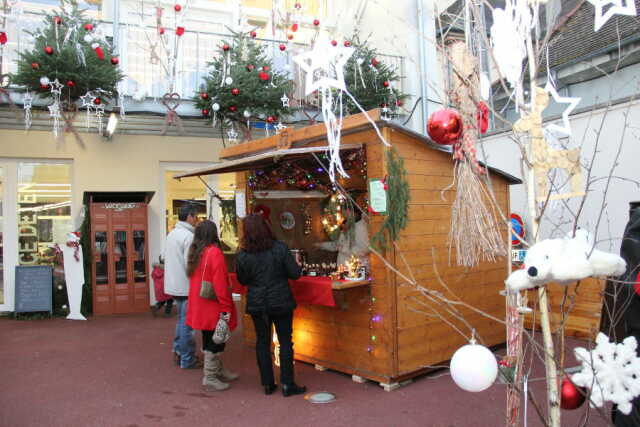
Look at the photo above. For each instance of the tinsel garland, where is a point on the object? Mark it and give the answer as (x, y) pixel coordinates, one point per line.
(397, 201)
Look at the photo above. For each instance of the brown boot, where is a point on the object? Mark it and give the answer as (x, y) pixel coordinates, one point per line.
(212, 370)
(225, 374)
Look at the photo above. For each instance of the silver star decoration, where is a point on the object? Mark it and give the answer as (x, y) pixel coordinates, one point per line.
(620, 7)
(27, 102)
(232, 134)
(54, 110)
(285, 100)
(56, 87)
(324, 65)
(279, 127)
(87, 99)
(573, 102)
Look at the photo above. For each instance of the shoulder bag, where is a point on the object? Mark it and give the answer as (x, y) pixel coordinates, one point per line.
(207, 290)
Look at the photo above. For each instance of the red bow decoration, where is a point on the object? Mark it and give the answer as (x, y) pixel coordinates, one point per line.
(483, 117)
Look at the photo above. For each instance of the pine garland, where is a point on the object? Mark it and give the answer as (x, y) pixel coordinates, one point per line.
(73, 60)
(398, 197)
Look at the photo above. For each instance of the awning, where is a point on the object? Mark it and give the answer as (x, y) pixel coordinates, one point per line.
(260, 160)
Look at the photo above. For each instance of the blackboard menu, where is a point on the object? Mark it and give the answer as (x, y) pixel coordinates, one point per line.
(33, 288)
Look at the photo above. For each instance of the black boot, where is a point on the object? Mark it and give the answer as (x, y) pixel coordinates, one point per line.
(270, 388)
(292, 389)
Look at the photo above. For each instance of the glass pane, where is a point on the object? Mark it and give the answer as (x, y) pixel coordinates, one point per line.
(139, 270)
(120, 255)
(1, 239)
(102, 275)
(44, 211)
(180, 192)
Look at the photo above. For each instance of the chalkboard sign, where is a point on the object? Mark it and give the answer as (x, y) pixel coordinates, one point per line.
(33, 288)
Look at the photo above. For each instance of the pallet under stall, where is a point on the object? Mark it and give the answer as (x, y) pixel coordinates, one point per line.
(379, 328)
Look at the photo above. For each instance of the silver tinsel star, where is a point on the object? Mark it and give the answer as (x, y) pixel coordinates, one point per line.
(232, 134)
(56, 87)
(285, 100)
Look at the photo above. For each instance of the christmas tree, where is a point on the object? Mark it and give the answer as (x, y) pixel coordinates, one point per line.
(242, 85)
(371, 81)
(72, 50)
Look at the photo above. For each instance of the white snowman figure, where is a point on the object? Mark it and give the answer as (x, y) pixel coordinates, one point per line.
(73, 274)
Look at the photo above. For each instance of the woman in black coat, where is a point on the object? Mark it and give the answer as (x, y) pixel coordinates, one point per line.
(265, 265)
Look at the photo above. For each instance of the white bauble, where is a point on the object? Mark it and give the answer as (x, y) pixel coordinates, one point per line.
(215, 106)
(228, 80)
(262, 116)
(44, 81)
(88, 38)
(473, 368)
(246, 114)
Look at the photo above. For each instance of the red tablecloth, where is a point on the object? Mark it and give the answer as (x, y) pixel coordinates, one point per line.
(305, 290)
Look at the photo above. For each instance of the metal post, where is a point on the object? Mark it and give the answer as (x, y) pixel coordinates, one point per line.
(423, 66)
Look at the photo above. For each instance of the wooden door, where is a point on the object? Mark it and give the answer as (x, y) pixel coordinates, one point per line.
(119, 238)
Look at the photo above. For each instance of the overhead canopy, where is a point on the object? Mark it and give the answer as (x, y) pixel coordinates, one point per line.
(261, 160)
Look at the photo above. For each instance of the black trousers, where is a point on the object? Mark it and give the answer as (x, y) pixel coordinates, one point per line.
(209, 345)
(283, 324)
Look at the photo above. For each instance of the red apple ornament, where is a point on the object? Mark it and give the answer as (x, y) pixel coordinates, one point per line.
(445, 126)
(571, 396)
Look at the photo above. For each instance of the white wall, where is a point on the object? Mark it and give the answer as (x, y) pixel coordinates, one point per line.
(504, 154)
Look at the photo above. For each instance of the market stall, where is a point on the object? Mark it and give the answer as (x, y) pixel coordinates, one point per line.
(367, 322)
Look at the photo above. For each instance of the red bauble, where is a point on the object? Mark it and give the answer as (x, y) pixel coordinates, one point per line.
(35, 65)
(294, 27)
(57, 20)
(48, 50)
(250, 67)
(316, 22)
(179, 31)
(97, 101)
(71, 83)
(253, 34)
(226, 47)
(233, 108)
(88, 27)
(271, 119)
(399, 103)
(334, 43)
(290, 36)
(115, 60)
(265, 68)
(571, 397)
(177, 8)
(161, 30)
(205, 112)
(347, 43)
(3, 37)
(283, 47)
(204, 95)
(445, 126)
(44, 87)
(374, 62)
(235, 91)
(385, 83)
(263, 76)
(483, 117)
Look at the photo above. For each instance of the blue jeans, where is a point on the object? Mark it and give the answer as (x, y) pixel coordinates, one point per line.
(183, 343)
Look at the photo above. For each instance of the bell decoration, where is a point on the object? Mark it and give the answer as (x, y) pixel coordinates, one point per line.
(445, 126)
(571, 396)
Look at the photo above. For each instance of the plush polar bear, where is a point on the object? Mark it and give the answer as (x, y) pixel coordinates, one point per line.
(564, 261)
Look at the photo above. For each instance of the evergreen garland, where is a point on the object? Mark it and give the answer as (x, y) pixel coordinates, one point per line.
(398, 197)
(66, 63)
(256, 87)
(365, 66)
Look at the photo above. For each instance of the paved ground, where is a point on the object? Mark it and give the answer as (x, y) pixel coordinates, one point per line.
(116, 371)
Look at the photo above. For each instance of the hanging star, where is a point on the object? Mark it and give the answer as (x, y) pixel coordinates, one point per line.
(324, 65)
(56, 87)
(232, 134)
(87, 100)
(572, 101)
(285, 100)
(616, 7)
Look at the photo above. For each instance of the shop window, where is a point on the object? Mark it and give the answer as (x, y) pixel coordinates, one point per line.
(120, 255)
(44, 210)
(180, 192)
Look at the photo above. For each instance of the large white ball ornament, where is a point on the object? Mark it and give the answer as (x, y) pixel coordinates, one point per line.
(228, 80)
(44, 81)
(473, 368)
(246, 114)
(215, 106)
(88, 38)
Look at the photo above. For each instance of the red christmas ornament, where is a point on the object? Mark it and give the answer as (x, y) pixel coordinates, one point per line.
(385, 84)
(253, 34)
(334, 43)
(235, 91)
(265, 68)
(179, 31)
(399, 103)
(290, 36)
(263, 76)
(374, 62)
(44, 87)
(233, 108)
(571, 397)
(250, 67)
(483, 117)
(161, 30)
(48, 50)
(445, 126)
(88, 27)
(205, 112)
(271, 119)
(57, 20)
(3, 37)
(226, 47)
(35, 65)
(316, 22)
(283, 47)
(97, 101)
(294, 27)
(115, 60)
(347, 43)
(177, 8)
(70, 83)
(204, 95)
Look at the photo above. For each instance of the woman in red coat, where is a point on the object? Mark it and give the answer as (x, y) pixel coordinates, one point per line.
(206, 263)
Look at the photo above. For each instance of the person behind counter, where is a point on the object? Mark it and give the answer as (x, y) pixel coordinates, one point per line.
(205, 261)
(356, 243)
(264, 266)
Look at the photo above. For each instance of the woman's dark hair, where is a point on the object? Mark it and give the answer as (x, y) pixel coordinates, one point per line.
(205, 234)
(257, 235)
